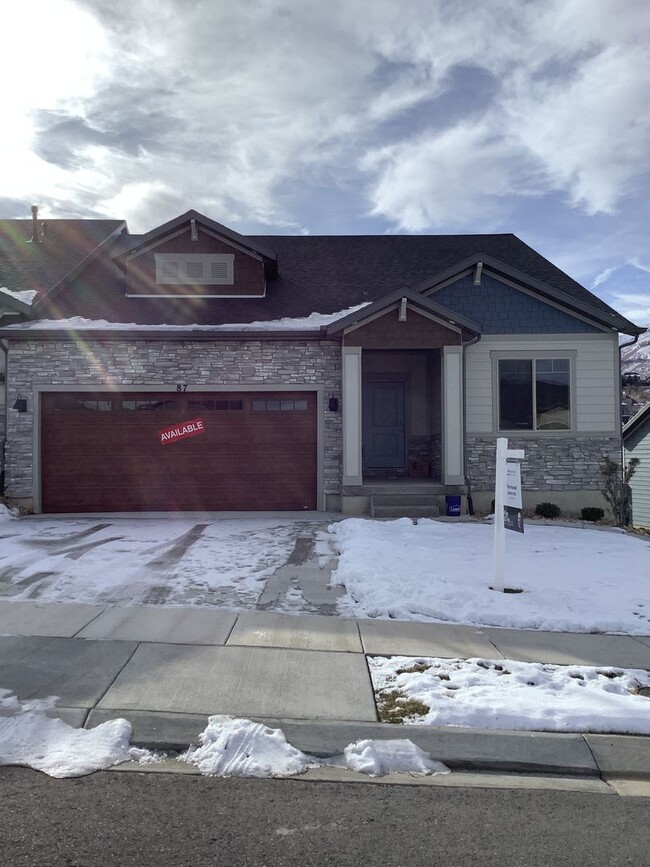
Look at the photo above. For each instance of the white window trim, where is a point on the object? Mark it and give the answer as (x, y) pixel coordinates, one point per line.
(570, 355)
(205, 260)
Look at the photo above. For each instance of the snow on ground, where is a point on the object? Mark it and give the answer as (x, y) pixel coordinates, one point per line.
(573, 580)
(178, 561)
(504, 694)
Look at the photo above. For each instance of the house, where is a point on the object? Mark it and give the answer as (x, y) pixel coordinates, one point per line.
(360, 374)
(636, 443)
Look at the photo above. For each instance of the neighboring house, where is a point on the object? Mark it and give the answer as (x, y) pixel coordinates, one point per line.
(636, 442)
(629, 407)
(368, 373)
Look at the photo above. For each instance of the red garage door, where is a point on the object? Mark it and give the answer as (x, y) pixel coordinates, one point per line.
(103, 452)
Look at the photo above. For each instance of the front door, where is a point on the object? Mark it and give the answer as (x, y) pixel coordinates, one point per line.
(384, 444)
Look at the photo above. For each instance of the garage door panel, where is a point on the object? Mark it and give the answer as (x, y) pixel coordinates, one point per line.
(104, 460)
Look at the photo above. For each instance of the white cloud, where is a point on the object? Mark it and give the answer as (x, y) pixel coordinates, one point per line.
(236, 108)
(455, 177)
(634, 306)
(570, 115)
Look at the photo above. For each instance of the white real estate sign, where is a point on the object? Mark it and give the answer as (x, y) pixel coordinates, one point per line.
(500, 504)
(513, 516)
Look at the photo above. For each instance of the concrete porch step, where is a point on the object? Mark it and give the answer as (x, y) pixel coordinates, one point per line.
(403, 500)
(404, 511)
(412, 504)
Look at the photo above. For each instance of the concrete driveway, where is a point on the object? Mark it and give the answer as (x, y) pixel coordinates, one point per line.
(259, 561)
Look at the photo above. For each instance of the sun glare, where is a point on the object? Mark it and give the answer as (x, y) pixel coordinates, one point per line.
(53, 55)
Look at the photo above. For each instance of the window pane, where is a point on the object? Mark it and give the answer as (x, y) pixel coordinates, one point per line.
(515, 394)
(149, 405)
(552, 393)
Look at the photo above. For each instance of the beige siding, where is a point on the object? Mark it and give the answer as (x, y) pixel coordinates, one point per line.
(596, 378)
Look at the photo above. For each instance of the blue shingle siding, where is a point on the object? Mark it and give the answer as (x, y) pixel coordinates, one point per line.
(500, 309)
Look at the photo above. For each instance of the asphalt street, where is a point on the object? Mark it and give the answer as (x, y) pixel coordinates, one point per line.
(117, 818)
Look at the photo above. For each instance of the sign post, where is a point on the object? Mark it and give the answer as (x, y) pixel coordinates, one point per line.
(500, 503)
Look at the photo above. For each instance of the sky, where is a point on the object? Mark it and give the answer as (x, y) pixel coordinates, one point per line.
(346, 117)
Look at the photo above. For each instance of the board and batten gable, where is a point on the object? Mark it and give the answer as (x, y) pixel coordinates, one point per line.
(637, 445)
(246, 270)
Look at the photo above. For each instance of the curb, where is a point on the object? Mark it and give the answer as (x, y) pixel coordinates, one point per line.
(567, 754)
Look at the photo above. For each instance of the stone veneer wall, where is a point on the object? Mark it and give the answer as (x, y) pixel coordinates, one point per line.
(133, 365)
(552, 464)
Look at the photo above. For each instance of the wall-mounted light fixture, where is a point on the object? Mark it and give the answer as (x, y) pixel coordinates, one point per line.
(334, 404)
(20, 405)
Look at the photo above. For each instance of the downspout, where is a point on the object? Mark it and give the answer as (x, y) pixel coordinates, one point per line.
(470, 502)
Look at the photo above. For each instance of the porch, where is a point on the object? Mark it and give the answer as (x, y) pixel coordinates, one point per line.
(400, 498)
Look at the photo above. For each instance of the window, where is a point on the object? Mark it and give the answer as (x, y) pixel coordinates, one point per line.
(279, 406)
(200, 268)
(67, 403)
(534, 393)
(215, 404)
(148, 405)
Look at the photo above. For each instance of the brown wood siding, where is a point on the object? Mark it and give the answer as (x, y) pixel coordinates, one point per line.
(417, 332)
(141, 269)
(96, 460)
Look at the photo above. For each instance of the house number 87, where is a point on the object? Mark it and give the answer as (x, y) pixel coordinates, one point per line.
(181, 386)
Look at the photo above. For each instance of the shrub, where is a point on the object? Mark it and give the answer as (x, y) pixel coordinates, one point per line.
(548, 510)
(592, 513)
(617, 488)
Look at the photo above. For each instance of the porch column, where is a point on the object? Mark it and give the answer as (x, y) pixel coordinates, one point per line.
(452, 429)
(352, 467)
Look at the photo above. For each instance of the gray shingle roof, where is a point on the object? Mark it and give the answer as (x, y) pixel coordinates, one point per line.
(322, 274)
(66, 243)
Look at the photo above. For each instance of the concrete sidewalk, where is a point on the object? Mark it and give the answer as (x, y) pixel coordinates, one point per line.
(167, 669)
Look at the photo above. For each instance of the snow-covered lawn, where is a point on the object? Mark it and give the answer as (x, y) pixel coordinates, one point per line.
(131, 561)
(573, 579)
(504, 694)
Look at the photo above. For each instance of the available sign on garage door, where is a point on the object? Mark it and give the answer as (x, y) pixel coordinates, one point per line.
(181, 431)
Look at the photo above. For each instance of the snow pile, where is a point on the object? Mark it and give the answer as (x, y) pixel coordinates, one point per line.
(29, 737)
(398, 756)
(7, 514)
(573, 579)
(232, 747)
(504, 694)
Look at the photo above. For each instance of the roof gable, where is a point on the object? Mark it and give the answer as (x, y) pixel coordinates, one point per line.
(412, 300)
(636, 422)
(480, 264)
(191, 218)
